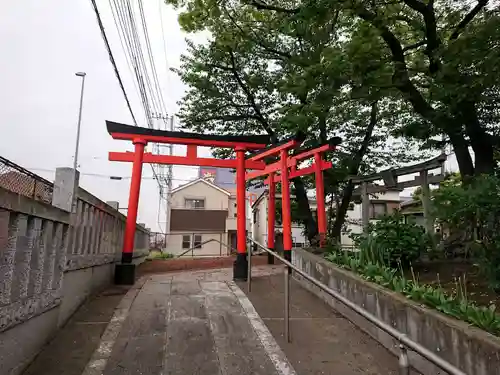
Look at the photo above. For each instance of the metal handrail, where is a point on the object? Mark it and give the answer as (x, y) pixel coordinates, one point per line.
(404, 340)
(201, 244)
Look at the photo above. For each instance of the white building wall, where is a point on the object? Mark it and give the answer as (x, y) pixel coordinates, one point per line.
(213, 248)
(354, 217)
(259, 229)
(214, 199)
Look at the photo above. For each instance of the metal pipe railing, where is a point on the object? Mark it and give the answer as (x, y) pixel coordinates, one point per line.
(199, 246)
(404, 341)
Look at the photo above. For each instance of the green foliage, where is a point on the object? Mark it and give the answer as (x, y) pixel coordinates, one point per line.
(451, 180)
(455, 305)
(284, 64)
(474, 210)
(159, 255)
(429, 68)
(390, 241)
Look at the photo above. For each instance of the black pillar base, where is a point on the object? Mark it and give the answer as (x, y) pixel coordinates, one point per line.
(125, 274)
(127, 258)
(287, 254)
(240, 267)
(270, 257)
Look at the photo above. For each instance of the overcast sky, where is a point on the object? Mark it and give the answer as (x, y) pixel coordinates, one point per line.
(43, 43)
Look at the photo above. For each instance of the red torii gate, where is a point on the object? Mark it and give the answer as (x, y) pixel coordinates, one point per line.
(287, 166)
(125, 272)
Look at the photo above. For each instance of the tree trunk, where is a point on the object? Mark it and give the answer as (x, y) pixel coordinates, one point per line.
(480, 141)
(311, 226)
(353, 170)
(461, 149)
(342, 211)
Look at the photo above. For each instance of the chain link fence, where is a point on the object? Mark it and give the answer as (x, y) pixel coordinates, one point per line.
(21, 181)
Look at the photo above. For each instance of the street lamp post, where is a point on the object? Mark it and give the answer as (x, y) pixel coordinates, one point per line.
(75, 162)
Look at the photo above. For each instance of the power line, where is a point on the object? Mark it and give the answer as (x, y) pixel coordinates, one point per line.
(111, 177)
(112, 59)
(139, 57)
(151, 59)
(127, 57)
(160, 2)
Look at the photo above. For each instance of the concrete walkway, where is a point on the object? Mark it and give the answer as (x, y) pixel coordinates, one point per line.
(323, 342)
(203, 323)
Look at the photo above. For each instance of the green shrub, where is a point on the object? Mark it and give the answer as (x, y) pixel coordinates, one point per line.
(473, 210)
(160, 255)
(390, 241)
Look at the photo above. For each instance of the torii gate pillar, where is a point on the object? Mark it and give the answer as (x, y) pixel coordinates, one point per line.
(240, 267)
(125, 272)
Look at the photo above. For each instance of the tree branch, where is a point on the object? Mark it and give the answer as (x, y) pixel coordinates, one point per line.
(416, 5)
(415, 45)
(251, 98)
(433, 40)
(256, 39)
(264, 6)
(468, 18)
(226, 118)
(353, 169)
(400, 78)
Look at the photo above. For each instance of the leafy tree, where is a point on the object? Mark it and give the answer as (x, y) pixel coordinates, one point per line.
(437, 60)
(266, 69)
(474, 211)
(392, 242)
(450, 180)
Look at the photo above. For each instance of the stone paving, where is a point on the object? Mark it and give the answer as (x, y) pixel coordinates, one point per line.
(187, 323)
(322, 341)
(202, 322)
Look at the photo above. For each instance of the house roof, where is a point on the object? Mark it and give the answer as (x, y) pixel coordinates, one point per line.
(191, 183)
(259, 198)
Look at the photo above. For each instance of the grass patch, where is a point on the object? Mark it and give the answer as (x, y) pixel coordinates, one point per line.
(158, 255)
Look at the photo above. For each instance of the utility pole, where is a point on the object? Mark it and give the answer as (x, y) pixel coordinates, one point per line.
(165, 122)
(170, 175)
(77, 146)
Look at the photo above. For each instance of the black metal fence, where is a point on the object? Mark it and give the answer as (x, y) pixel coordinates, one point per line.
(19, 180)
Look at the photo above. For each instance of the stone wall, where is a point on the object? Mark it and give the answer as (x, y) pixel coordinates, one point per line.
(50, 262)
(474, 351)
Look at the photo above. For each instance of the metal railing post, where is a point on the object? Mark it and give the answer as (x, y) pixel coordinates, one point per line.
(404, 363)
(405, 342)
(287, 304)
(249, 275)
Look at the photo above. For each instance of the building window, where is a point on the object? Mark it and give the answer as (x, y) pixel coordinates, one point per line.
(186, 242)
(197, 241)
(377, 210)
(255, 216)
(194, 203)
